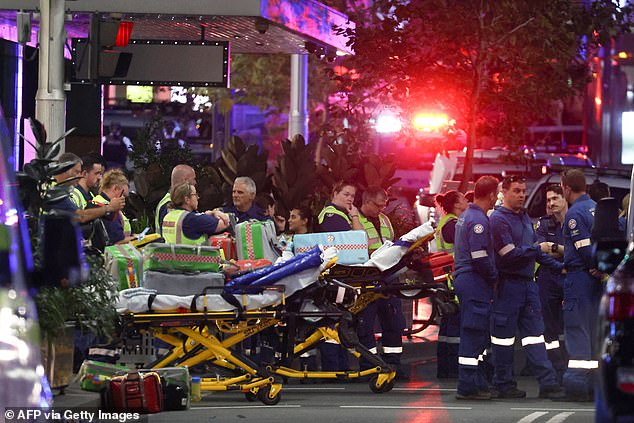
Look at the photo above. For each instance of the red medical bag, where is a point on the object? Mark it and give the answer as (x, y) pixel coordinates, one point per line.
(135, 392)
(435, 266)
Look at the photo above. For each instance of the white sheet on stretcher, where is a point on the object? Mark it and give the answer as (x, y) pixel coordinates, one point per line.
(135, 300)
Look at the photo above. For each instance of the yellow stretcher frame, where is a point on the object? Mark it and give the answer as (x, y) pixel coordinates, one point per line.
(252, 383)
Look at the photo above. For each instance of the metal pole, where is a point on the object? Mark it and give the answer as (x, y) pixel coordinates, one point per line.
(50, 99)
(298, 118)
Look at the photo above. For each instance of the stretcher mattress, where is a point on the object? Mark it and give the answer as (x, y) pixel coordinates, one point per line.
(141, 300)
(137, 300)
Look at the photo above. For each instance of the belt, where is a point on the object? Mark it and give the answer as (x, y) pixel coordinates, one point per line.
(576, 269)
(516, 278)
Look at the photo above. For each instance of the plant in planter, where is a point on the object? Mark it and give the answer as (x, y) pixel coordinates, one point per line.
(89, 302)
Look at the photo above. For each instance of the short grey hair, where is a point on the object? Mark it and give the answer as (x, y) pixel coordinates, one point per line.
(69, 157)
(247, 182)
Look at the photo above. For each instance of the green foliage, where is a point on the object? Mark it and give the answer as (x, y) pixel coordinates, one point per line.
(504, 61)
(36, 181)
(239, 160)
(153, 168)
(343, 162)
(90, 305)
(294, 177)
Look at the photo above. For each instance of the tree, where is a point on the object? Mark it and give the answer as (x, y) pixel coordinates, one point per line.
(480, 61)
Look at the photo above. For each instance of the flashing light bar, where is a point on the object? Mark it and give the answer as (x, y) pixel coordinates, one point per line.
(430, 122)
(388, 124)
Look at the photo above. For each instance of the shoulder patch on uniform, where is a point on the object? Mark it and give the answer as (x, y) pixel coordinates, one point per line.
(539, 222)
(572, 223)
(478, 228)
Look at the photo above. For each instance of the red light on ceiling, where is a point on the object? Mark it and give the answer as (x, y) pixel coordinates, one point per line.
(124, 33)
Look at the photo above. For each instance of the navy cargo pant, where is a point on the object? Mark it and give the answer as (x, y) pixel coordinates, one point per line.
(582, 294)
(517, 310)
(551, 296)
(390, 314)
(448, 344)
(476, 298)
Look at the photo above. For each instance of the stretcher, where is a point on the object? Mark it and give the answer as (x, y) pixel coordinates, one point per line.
(204, 328)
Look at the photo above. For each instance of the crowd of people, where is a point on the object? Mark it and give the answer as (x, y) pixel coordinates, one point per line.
(512, 278)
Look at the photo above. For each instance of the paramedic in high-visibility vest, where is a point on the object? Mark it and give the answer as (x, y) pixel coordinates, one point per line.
(183, 225)
(92, 168)
(340, 214)
(453, 204)
(114, 185)
(181, 173)
(388, 310)
(66, 204)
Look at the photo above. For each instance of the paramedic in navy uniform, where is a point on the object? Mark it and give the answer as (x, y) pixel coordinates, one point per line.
(340, 214)
(516, 307)
(475, 279)
(582, 290)
(243, 197)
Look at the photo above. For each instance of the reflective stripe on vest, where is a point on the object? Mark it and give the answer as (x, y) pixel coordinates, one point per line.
(78, 199)
(442, 245)
(173, 229)
(374, 241)
(333, 210)
(157, 225)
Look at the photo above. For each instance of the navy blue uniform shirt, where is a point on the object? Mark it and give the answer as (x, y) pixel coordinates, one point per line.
(196, 225)
(113, 224)
(515, 243)
(549, 230)
(255, 212)
(473, 251)
(66, 204)
(577, 226)
(333, 222)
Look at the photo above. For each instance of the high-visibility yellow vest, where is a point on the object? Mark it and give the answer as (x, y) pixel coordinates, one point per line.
(443, 245)
(166, 199)
(78, 199)
(127, 229)
(387, 232)
(173, 229)
(333, 210)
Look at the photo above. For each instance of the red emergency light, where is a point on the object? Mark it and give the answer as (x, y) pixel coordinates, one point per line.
(430, 122)
(124, 33)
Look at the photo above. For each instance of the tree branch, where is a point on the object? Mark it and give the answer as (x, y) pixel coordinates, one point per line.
(517, 28)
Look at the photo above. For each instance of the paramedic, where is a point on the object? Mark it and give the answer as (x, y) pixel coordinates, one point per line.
(182, 225)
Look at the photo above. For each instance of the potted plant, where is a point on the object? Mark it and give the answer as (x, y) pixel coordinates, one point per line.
(64, 303)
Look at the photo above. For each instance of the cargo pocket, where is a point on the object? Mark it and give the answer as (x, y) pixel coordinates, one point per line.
(500, 320)
(571, 313)
(477, 315)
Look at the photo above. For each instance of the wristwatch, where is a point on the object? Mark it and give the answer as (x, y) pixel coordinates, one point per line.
(554, 248)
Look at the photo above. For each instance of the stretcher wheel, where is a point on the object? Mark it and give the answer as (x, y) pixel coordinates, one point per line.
(386, 387)
(251, 396)
(263, 395)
